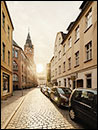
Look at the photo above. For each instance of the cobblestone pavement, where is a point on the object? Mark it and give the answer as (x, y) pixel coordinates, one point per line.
(38, 112)
(9, 105)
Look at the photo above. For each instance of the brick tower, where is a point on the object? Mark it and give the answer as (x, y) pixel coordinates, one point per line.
(29, 49)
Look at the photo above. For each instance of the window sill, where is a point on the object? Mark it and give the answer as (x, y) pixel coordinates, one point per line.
(88, 28)
(87, 60)
(69, 69)
(64, 54)
(64, 71)
(76, 66)
(76, 40)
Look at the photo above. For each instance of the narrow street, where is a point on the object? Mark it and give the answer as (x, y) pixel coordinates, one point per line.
(38, 112)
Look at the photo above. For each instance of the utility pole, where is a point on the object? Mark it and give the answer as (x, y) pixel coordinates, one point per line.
(22, 90)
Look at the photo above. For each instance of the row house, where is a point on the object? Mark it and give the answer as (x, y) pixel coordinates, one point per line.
(75, 57)
(6, 51)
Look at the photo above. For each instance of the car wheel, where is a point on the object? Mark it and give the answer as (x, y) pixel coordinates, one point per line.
(72, 114)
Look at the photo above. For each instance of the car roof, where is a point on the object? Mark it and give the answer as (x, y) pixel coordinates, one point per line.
(94, 90)
(60, 87)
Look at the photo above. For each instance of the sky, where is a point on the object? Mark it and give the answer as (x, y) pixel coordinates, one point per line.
(43, 19)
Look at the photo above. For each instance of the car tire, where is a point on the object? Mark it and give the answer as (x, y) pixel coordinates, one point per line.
(72, 114)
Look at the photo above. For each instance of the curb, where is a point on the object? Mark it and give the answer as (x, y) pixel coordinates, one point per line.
(13, 113)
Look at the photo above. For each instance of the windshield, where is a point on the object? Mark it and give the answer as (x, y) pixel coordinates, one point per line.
(63, 90)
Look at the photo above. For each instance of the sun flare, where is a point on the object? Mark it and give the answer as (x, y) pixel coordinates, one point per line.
(39, 68)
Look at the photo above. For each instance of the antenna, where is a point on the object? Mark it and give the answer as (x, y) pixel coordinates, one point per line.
(28, 30)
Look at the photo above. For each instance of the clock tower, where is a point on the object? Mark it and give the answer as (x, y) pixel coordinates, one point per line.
(29, 48)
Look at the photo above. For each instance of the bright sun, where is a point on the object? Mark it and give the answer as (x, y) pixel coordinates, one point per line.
(39, 68)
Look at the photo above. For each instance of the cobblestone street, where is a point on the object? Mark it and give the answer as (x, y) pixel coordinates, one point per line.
(38, 112)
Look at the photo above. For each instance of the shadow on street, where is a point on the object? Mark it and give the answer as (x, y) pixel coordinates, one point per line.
(17, 94)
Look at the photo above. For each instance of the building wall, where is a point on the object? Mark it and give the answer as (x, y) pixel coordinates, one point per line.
(86, 35)
(5, 68)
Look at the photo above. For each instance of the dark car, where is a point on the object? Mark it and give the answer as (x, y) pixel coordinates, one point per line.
(60, 95)
(47, 92)
(83, 105)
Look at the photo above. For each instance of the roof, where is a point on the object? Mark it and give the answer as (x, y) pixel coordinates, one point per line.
(60, 87)
(28, 41)
(52, 59)
(14, 43)
(83, 4)
(8, 14)
(63, 35)
(82, 7)
(70, 25)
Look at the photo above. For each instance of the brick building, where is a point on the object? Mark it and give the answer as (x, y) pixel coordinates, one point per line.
(24, 69)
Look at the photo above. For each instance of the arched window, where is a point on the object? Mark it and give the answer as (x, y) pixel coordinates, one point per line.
(15, 77)
(15, 66)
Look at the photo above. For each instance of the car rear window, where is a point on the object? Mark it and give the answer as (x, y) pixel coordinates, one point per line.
(63, 90)
(86, 97)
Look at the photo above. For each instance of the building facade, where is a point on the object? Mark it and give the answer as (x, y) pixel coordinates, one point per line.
(76, 65)
(48, 73)
(6, 52)
(23, 70)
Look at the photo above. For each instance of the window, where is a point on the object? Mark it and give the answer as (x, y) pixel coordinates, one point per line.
(69, 63)
(60, 69)
(69, 85)
(16, 53)
(59, 40)
(64, 48)
(88, 81)
(55, 59)
(3, 52)
(13, 52)
(15, 66)
(22, 68)
(55, 72)
(70, 42)
(3, 20)
(15, 77)
(8, 58)
(55, 47)
(6, 83)
(8, 31)
(59, 55)
(59, 83)
(77, 95)
(65, 82)
(77, 33)
(77, 58)
(22, 79)
(64, 67)
(87, 98)
(88, 51)
(89, 18)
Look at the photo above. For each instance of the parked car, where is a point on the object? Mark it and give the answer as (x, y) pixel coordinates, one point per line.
(83, 105)
(43, 89)
(60, 95)
(47, 92)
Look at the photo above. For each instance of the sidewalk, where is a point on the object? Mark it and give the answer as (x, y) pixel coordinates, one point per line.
(10, 106)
